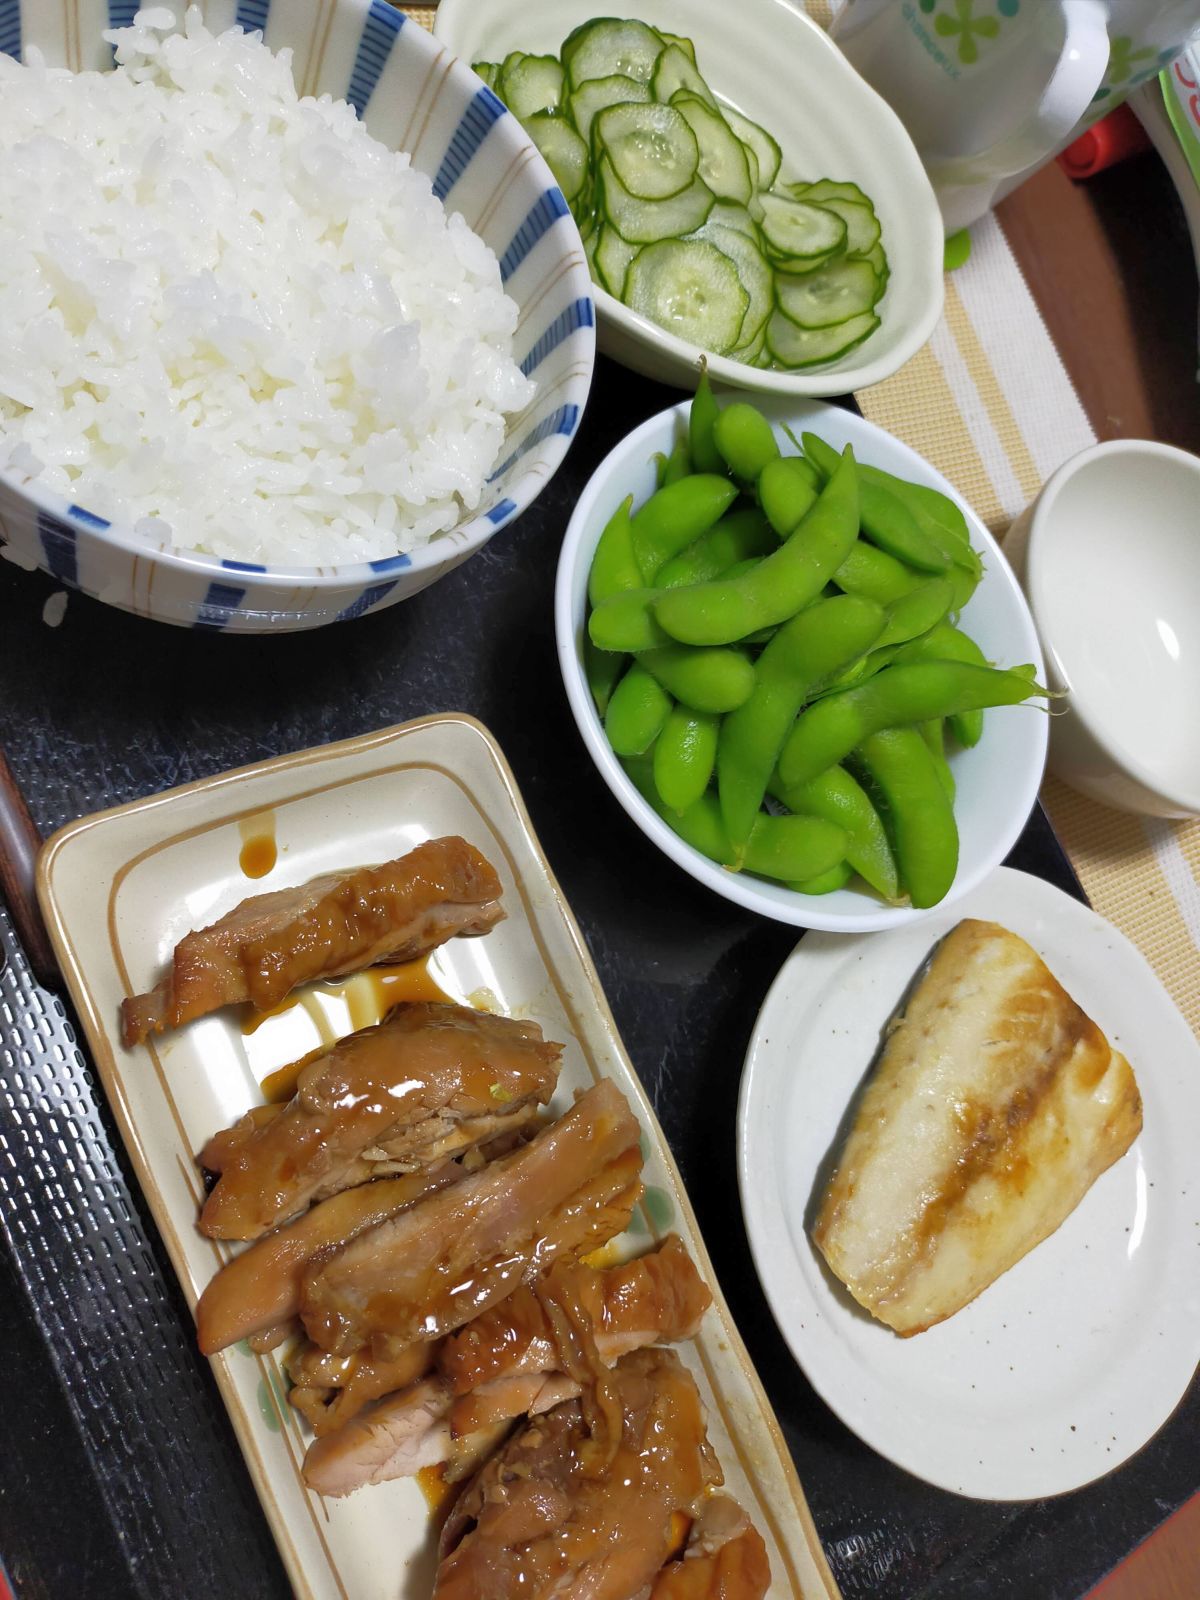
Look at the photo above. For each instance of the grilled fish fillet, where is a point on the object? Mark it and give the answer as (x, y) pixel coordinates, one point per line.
(411, 1078)
(994, 1107)
(342, 922)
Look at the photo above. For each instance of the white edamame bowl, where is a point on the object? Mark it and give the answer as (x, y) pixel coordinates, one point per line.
(997, 780)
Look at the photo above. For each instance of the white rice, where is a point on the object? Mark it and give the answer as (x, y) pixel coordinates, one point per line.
(232, 319)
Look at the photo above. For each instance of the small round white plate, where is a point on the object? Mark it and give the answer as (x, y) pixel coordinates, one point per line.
(1071, 1360)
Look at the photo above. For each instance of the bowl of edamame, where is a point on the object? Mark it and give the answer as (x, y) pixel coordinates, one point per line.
(800, 662)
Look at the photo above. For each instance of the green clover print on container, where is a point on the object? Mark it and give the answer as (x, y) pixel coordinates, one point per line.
(967, 25)
(990, 89)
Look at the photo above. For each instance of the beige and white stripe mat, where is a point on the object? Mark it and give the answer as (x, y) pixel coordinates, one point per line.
(990, 404)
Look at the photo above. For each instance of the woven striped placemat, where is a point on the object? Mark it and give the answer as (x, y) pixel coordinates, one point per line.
(990, 404)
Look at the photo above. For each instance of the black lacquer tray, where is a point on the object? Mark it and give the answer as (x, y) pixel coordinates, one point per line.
(120, 1475)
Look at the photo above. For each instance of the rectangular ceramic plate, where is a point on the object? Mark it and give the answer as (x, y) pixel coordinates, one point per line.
(120, 888)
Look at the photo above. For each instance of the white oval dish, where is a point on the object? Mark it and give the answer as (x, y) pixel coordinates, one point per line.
(1072, 1359)
(119, 888)
(829, 123)
(997, 780)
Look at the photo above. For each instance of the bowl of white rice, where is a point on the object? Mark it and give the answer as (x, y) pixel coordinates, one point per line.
(293, 317)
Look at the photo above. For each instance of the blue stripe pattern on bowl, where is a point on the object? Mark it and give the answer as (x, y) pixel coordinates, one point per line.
(460, 135)
(484, 110)
(10, 27)
(378, 36)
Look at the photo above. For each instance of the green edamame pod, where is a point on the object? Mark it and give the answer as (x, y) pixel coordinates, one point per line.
(933, 503)
(684, 755)
(714, 679)
(678, 465)
(886, 521)
(702, 419)
(830, 729)
(613, 565)
(937, 516)
(745, 440)
(791, 849)
(934, 734)
(636, 712)
(626, 622)
(675, 515)
(737, 537)
(916, 612)
(896, 764)
(909, 616)
(805, 651)
(826, 882)
(778, 586)
(603, 670)
(841, 799)
(786, 493)
(872, 572)
(948, 643)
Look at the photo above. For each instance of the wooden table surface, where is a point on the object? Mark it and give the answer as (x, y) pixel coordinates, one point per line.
(1111, 266)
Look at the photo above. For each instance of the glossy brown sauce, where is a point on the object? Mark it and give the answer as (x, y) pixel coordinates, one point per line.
(259, 852)
(368, 997)
(433, 1486)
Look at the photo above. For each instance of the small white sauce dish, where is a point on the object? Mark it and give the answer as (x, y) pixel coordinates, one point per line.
(1109, 556)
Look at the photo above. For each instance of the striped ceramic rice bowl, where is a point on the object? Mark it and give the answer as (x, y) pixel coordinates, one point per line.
(412, 96)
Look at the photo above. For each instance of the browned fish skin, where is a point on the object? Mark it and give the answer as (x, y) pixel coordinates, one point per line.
(260, 1288)
(658, 1296)
(533, 1523)
(423, 1061)
(336, 924)
(995, 1106)
(420, 1276)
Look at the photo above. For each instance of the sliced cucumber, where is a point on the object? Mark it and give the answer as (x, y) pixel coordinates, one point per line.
(862, 225)
(645, 221)
(829, 189)
(879, 263)
(613, 255)
(753, 269)
(677, 39)
(690, 289)
(723, 163)
(795, 230)
(651, 148)
(529, 84)
(489, 71)
(753, 353)
(675, 71)
(833, 294)
(809, 347)
(732, 216)
(766, 152)
(595, 96)
(563, 151)
(606, 46)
